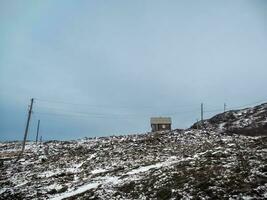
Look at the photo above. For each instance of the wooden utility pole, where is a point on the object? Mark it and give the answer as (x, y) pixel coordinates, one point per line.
(224, 107)
(37, 132)
(202, 113)
(26, 130)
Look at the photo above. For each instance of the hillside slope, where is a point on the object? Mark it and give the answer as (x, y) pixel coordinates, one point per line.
(203, 163)
(249, 121)
(190, 164)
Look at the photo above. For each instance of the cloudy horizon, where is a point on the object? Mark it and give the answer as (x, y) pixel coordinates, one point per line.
(100, 68)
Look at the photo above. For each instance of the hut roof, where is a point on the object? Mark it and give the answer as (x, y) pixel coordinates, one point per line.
(160, 120)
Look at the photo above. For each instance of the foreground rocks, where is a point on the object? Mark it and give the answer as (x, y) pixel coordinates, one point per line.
(182, 164)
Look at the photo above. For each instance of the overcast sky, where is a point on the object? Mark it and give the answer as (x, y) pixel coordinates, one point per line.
(115, 64)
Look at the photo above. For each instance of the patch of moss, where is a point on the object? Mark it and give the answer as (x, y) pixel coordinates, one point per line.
(128, 187)
(164, 194)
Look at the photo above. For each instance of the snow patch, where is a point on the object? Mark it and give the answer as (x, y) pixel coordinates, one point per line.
(86, 187)
(97, 171)
(157, 165)
(80, 190)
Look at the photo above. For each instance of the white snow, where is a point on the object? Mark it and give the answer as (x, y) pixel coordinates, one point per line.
(47, 174)
(247, 198)
(91, 157)
(97, 171)
(54, 186)
(75, 168)
(157, 165)
(88, 186)
(2, 190)
(114, 162)
(80, 190)
(221, 126)
(112, 179)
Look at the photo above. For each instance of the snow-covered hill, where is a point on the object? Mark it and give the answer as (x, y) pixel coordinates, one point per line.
(189, 164)
(249, 121)
(202, 163)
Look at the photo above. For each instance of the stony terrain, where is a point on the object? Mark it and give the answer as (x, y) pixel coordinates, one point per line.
(180, 164)
(248, 121)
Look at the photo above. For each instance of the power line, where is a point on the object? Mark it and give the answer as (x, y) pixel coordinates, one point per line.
(73, 115)
(127, 106)
(213, 111)
(26, 129)
(107, 115)
(66, 112)
(37, 131)
(60, 110)
(63, 111)
(202, 112)
(106, 106)
(249, 104)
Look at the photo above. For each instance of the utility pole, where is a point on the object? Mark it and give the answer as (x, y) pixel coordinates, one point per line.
(26, 130)
(202, 113)
(224, 107)
(37, 132)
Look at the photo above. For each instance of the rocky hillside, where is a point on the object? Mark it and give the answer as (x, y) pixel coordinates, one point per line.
(213, 160)
(187, 164)
(249, 121)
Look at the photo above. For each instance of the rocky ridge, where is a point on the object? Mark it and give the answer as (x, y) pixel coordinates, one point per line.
(249, 121)
(207, 163)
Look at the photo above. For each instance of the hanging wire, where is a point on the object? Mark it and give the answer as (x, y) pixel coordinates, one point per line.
(75, 113)
(110, 106)
(249, 104)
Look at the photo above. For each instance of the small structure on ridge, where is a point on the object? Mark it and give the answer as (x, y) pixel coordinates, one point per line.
(160, 123)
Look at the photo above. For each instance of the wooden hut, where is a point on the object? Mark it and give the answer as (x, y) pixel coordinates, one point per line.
(160, 123)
